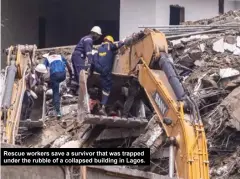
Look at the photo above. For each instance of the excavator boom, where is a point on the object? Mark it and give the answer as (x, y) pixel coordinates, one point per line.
(145, 52)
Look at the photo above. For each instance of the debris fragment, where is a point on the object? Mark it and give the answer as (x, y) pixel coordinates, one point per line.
(218, 46)
(228, 72)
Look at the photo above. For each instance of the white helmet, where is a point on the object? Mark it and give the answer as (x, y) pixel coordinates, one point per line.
(97, 30)
(41, 68)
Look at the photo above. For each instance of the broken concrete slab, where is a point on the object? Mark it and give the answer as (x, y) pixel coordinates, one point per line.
(238, 41)
(71, 144)
(48, 135)
(218, 46)
(114, 121)
(236, 51)
(229, 47)
(228, 72)
(119, 133)
(199, 63)
(69, 109)
(175, 42)
(231, 104)
(60, 141)
(202, 47)
(152, 137)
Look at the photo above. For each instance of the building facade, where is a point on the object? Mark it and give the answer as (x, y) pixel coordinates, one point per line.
(49, 23)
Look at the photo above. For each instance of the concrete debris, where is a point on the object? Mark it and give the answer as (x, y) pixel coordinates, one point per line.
(71, 144)
(219, 46)
(238, 41)
(202, 47)
(69, 109)
(209, 64)
(230, 17)
(60, 141)
(236, 51)
(214, 83)
(229, 47)
(228, 72)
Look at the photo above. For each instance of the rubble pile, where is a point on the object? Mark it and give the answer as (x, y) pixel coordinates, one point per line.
(209, 67)
(66, 51)
(230, 17)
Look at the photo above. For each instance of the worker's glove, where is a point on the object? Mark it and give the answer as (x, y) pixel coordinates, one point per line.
(94, 52)
(44, 88)
(124, 39)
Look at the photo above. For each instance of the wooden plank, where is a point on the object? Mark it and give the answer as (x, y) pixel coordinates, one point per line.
(114, 121)
(83, 100)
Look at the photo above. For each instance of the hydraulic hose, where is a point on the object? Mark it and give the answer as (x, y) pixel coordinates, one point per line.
(166, 65)
(11, 73)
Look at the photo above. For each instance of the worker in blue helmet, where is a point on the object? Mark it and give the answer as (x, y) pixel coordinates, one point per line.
(83, 51)
(103, 62)
(57, 64)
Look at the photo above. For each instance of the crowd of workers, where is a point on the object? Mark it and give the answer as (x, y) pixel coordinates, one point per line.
(82, 58)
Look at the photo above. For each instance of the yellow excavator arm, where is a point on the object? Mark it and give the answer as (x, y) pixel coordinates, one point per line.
(15, 87)
(188, 145)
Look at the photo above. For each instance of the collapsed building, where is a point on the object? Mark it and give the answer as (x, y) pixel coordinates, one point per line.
(207, 62)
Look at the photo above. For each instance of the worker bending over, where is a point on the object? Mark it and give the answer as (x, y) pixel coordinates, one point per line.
(33, 80)
(57, 64)
(83, 50)
(103, 62)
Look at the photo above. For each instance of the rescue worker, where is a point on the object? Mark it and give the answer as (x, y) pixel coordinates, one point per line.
(103, 62)
(56, 64)
(83, 50)
(33, 80)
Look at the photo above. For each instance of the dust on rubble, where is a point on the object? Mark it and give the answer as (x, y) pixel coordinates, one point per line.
(209, 66)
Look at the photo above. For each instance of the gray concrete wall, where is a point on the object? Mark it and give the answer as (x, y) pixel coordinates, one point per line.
(134, 13)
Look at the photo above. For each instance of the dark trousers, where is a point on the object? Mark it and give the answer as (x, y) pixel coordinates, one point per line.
(27, 106)
(105, 77)
(106, 81)
(56, 79)
(78, 64)
(133, 93)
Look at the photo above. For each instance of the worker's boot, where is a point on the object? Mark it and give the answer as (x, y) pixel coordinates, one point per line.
(102, 111)
(59, 114)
